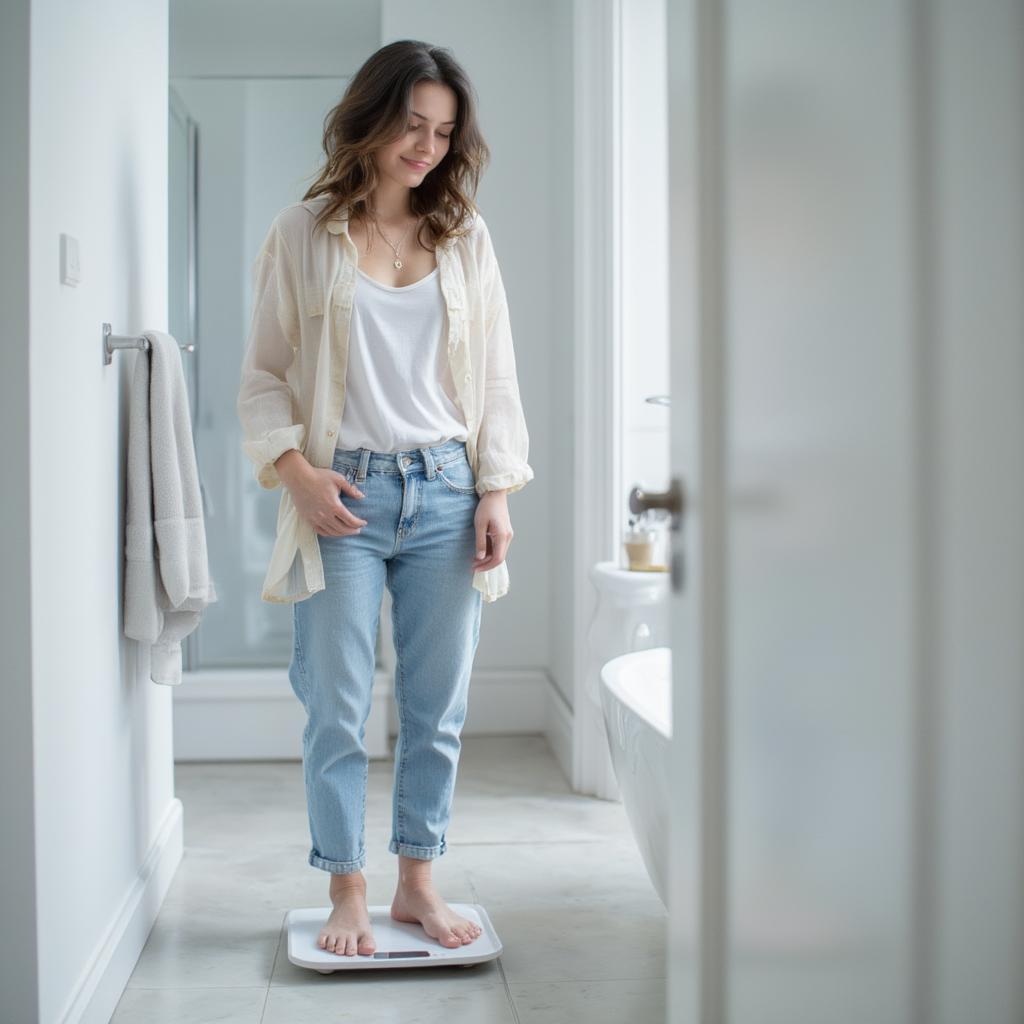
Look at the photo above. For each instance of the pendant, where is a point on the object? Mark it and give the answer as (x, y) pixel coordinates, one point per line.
(398, 264)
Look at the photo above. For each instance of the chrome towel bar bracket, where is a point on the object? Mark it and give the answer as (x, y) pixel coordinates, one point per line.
(116, 341)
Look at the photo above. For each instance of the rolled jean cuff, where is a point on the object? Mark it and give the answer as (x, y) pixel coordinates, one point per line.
(337, 867)
(418, 852)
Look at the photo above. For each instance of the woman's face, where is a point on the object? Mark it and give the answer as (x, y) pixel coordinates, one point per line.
(426, 139)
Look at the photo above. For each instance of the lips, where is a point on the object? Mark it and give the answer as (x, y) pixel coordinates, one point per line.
(414, 164)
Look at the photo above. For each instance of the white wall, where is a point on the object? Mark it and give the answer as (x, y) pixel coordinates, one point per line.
(560, 441)
(645, 357)
(257, 39)
(103, 787)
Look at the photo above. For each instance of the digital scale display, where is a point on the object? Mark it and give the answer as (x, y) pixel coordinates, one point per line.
(397, 954)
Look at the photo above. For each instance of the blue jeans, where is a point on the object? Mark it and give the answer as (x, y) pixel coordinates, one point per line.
(420, 540)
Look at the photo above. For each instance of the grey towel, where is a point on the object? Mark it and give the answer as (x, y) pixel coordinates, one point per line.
(167, 580)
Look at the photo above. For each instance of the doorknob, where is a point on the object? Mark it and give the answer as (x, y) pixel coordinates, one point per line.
(673, 501)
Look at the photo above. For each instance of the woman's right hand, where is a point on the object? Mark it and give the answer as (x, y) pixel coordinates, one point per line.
(315, 493)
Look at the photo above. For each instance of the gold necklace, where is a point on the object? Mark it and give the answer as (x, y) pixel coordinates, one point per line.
(397, 261)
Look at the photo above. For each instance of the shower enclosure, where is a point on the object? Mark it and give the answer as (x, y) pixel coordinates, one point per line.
(240, 150)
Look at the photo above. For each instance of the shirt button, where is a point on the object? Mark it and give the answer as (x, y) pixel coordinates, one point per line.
(469, 377)
(330, 433)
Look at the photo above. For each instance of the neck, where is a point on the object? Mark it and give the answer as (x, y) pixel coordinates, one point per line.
(390, 201)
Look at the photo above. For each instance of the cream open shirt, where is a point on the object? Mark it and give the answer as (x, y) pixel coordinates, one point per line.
(292, 390)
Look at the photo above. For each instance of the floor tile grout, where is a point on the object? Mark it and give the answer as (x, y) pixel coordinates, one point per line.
(216, 802)
(273, 966)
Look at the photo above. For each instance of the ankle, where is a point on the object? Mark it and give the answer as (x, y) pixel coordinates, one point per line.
(415, 880)
(353, 880)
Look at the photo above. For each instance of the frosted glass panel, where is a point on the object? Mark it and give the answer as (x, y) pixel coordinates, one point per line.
(820, 318)
(259, 149)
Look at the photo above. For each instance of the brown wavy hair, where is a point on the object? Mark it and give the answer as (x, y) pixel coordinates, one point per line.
(374, 112)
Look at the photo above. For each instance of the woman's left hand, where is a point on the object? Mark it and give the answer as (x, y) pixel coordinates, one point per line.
(493, 530)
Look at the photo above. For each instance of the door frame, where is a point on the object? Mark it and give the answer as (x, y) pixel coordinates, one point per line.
(597, 359)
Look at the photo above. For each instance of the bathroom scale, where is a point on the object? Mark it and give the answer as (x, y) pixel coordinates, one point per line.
(399, 943)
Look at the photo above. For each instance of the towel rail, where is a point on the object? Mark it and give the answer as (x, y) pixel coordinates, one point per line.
(116, 341)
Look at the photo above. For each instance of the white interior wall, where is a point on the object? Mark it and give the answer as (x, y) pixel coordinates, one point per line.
(645, 356)
(560, 441)
(104, 797)
(258, 39)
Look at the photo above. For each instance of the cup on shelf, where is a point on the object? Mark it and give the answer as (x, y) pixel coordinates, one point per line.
(640, 543)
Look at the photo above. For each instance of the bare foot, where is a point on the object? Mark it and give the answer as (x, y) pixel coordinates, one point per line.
(418, 902)
(348, 931)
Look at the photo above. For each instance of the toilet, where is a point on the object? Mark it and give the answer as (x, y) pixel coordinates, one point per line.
(632, 614)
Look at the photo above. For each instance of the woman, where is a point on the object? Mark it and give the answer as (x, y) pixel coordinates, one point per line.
(380, 368)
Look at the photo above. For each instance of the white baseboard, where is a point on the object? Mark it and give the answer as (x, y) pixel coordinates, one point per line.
(98, 991)
(253, 715)
(558, 727)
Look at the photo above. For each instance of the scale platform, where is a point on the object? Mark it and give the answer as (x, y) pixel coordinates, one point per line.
(399, 944)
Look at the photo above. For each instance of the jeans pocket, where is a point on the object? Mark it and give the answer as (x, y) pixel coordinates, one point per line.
(346, 470)
(457, 476)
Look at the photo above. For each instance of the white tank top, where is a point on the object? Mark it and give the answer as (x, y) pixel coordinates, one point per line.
(399, 391)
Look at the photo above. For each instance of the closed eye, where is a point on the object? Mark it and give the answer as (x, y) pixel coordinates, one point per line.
(414, 127)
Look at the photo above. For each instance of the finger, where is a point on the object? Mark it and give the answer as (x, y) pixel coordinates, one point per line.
(488, 561)
(339, 531)
(346, 516)
(499, 544)
(329, 525)
(346, 485)
(481, 540)
(330, 531)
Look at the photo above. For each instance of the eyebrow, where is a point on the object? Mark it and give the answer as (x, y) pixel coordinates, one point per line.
(422, 118)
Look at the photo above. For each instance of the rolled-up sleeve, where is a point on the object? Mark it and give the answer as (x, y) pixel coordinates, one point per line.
(265, 406)
(503, 441)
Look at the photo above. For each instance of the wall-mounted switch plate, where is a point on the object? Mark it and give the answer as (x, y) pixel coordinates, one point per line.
(70, 271)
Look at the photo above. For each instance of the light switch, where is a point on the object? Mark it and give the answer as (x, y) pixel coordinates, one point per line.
(70, 272)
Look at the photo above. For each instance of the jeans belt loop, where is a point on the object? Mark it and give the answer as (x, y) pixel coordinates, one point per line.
(428, 462)
(364, 461)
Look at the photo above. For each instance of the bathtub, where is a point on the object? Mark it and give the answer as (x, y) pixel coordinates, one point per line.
(636, 699)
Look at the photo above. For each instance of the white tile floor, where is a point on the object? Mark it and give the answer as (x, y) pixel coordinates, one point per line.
(582, 928)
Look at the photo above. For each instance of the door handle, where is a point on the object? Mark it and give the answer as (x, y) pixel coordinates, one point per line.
(672, 501)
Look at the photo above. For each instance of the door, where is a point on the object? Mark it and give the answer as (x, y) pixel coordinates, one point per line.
(847, 369)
